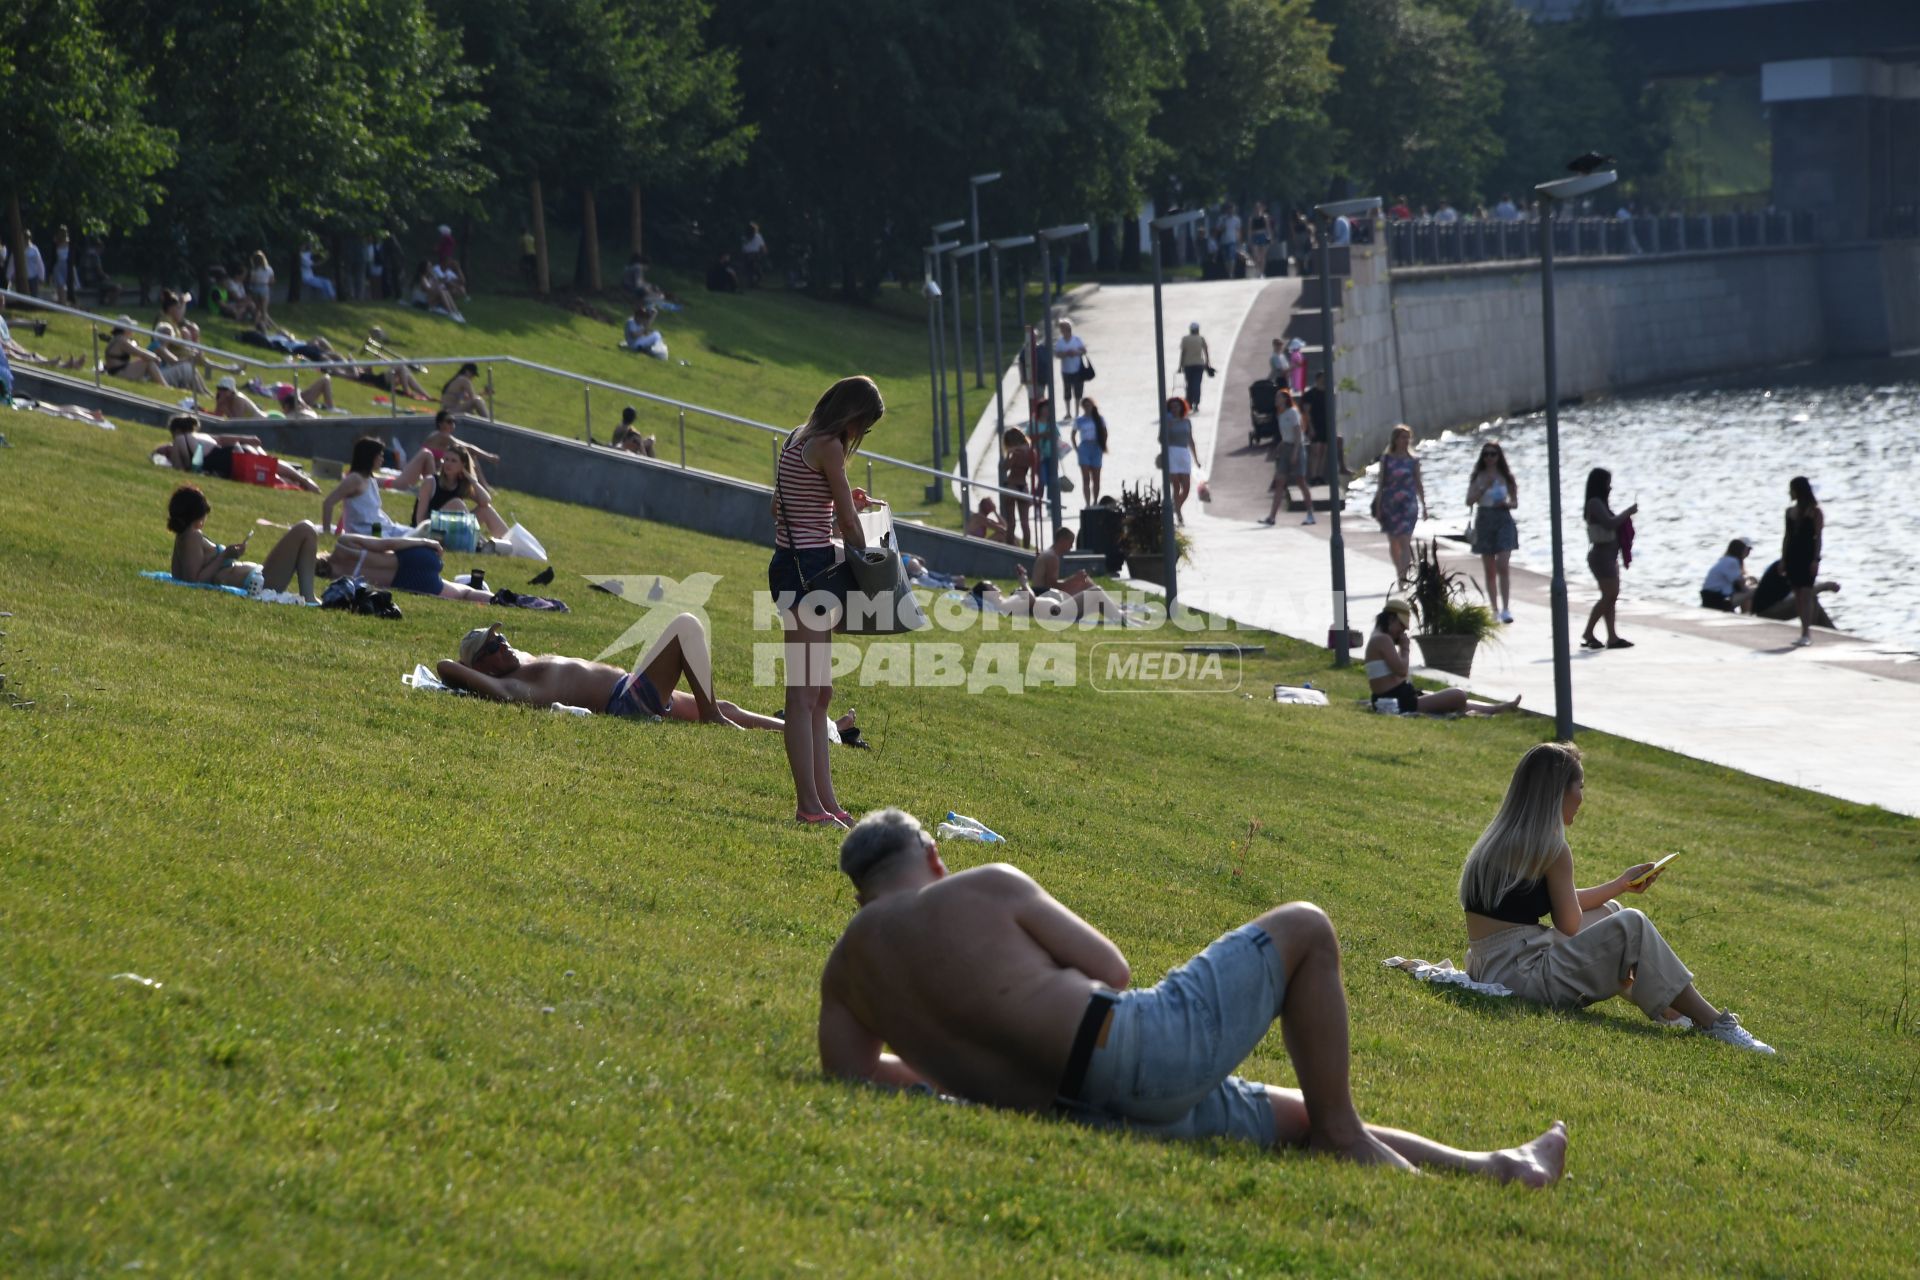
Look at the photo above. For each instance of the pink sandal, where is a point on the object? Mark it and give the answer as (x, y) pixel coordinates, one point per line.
(820, 820)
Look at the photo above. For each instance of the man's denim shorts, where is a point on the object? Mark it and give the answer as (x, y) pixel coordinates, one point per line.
(1166, 1068)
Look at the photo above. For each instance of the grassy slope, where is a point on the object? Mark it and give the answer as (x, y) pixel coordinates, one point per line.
(765, 355)
(451, 986)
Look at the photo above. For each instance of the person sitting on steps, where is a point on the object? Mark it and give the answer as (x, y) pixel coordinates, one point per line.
(982, 985)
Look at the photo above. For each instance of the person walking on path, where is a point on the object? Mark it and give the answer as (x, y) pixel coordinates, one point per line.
(982, 985)
(1289, 458)
(1521, 870)
(1493, 494)
(813, 501)
(1800, 551)
(1400, 501)
(1072, 351)
(1090, 448)
(1603, 557)
(1196, 362)
(1176, 437)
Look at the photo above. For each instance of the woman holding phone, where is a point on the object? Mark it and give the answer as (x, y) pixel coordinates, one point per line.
(198, 558)
(812, 502)
(1521, 870)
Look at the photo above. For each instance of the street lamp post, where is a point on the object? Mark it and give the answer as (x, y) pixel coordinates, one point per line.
(959, 445)
(936, 376)
(999, 356)
(974, 184)
(1552, 193)
(1170, 554)
(940, 323)
(1050, 293)
(1337, 544)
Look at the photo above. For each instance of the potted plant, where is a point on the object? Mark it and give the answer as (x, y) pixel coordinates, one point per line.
(1451, 626)
(1142, 530)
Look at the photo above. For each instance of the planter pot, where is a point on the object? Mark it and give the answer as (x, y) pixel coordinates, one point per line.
(1148, 568)
(1448, 653)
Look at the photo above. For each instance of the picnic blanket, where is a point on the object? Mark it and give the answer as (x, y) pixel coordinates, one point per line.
(1444, 974)
(263, 595)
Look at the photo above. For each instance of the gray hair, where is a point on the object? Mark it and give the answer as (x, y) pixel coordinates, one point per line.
(877, 840)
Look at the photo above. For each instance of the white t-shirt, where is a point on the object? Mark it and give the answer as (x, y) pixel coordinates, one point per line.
(1290, 426)
(260, 277)
(1447, 214)
(756, 243)
(1505, 211)
(36, 265)
(1724, 577)
(1069, 350)
(1279, 365)
(1230, 233)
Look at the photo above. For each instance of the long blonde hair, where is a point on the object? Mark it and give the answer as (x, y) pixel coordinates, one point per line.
(1530, 830)
(846, 412)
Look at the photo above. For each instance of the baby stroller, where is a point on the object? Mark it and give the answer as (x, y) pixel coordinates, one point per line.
(1261, 397)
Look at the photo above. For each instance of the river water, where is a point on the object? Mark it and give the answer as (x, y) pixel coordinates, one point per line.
(1710, 463)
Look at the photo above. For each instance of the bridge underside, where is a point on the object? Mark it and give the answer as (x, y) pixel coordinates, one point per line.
(1841, 82)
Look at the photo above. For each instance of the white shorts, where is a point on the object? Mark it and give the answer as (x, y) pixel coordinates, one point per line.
(1179, 460)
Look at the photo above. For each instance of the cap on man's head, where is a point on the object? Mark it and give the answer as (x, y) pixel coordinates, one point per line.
(226, 384)
(877, 840)
(472, 642)
(1194, 327)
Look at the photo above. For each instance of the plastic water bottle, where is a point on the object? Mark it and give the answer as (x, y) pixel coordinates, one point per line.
(960, 827)
(256, 582)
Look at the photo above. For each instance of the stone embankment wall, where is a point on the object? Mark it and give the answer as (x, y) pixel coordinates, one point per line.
(1445, 347)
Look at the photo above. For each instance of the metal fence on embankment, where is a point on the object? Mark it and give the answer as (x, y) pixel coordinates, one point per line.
(1470, 240)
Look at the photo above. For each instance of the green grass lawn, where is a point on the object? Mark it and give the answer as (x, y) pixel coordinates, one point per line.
(451, 987)
(764, 355)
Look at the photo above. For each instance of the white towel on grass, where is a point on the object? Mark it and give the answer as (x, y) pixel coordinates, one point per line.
(1445, 974)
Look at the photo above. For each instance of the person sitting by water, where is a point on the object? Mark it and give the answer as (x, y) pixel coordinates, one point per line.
(985, 522)
(358, 493)
(1521, 869)
(198, 558)
(455, 489)
(399, 564)
(981, 985)
(493, 668)
(1773, 597)
(641, 336)
(192, 449)
(1389, 660)
(1729, 587)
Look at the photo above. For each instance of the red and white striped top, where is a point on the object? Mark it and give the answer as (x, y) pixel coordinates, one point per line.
(806, 501)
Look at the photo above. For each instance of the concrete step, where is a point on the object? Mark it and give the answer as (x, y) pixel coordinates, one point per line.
(1305, 325)
(1310, 294)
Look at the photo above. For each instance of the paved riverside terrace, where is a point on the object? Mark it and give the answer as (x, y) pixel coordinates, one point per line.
(1841, 717)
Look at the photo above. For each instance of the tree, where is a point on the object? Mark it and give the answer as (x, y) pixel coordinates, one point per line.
(77, 146)
(301, 116)
(1417, 100)
(1249, 111)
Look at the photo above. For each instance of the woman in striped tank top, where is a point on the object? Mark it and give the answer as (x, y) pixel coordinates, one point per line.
(813, 502)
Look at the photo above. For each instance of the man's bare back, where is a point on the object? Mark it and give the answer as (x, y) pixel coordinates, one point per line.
(974, 981)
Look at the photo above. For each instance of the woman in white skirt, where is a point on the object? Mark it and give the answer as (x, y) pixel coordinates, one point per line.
(1521, 869)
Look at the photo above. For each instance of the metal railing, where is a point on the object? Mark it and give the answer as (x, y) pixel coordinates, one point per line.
(488, 363)
(1470, 240)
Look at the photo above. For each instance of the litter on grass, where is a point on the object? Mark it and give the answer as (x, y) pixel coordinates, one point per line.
(136, 978)
(1445, 975)
(960, 827)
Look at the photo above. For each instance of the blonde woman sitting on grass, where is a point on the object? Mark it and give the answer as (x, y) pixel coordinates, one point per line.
(1521, 870)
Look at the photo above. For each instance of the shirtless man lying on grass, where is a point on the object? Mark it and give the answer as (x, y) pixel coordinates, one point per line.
(494, 668)
(987, 988)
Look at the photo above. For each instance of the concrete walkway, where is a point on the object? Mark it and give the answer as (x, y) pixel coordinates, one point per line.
(1841, 717)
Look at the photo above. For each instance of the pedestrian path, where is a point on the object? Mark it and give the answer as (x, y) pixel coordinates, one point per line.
(1841, 717)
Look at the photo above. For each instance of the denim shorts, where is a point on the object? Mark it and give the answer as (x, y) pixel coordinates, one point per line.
(788, 567)
(1166, 1068)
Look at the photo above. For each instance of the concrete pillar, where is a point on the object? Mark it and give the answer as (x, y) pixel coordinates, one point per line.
(1845, 148)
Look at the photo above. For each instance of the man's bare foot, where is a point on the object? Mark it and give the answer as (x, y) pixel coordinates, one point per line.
(846, 721)
(1366, 1149)
(1537, 1164)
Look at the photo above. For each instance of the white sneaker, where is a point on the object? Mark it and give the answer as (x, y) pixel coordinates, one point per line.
(1309, 519)
(1505, 616)
(1727, 1030)
(1802, 642)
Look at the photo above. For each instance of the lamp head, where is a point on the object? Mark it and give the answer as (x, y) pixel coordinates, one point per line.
(1011, 242)
(982, 179)
(1574, 188)
(1348, 208)
(1061, 233)
(941, 228)
(1169, 221)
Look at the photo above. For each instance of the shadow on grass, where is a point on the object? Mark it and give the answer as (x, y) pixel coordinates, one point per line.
(1513, 1008)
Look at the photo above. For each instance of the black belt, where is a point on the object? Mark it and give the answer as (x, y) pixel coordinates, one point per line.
(1099, 1008)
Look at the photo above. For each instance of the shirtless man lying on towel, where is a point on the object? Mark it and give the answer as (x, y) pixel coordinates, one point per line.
(490, 666)
(987, 987)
